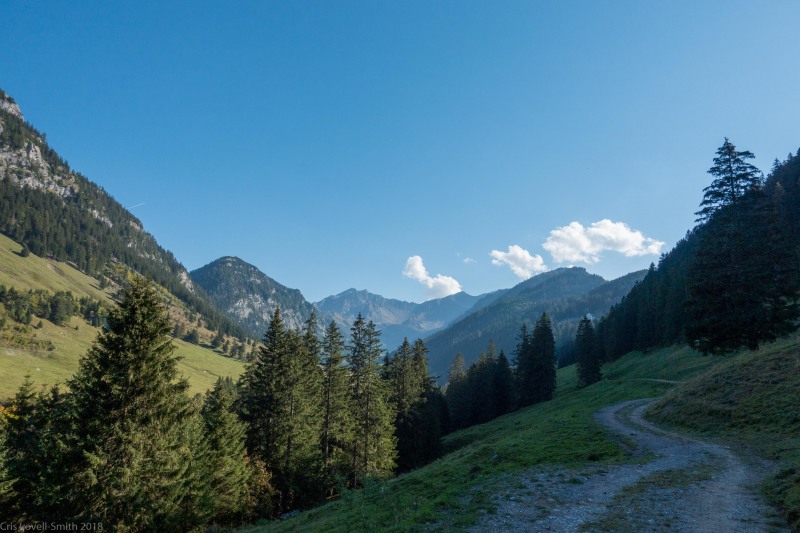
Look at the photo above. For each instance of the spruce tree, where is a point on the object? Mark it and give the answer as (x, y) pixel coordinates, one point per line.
(457, 369)
(336, 434)
(543, 346)
(456, 393)
(407, 374)
(734, 177)
(503, 386)
(587, 353)
(21, 446)
(374, 449)
(524, 369)
(278, 404)
(132, 459)
(743, 278)
(226, 461)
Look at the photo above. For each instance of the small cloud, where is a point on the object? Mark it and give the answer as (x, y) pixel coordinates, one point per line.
(439, 286)
(522, 263)
(577, 243)
(469, 260)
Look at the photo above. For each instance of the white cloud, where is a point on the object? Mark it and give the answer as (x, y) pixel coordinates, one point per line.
(522, 263)
(439, 286)
(468, 260)
(574, 242)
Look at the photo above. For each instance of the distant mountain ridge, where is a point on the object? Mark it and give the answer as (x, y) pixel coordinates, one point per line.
(397, 319)
(565, 294)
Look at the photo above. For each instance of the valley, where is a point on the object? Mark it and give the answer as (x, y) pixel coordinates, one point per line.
(399, 267)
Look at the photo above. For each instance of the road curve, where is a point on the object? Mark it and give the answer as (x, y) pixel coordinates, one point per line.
(676, 483)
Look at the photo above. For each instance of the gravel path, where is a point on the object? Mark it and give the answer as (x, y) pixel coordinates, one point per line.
(674, 483)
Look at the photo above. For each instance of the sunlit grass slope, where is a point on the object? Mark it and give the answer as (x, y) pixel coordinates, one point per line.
(452, 491)
(202, 366)
(35, 272)
(753, 397)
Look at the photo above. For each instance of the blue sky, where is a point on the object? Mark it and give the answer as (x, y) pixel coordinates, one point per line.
(339, 144)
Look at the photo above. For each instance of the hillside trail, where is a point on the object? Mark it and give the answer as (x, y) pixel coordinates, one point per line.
(673, 483)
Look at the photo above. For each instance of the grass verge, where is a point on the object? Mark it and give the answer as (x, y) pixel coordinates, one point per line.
(751, 398)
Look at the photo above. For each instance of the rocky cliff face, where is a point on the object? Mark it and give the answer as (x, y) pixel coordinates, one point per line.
(8, 105)
(57, 212)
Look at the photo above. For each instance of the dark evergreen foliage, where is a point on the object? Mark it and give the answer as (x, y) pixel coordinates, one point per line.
(481, 394)
(336, 432)
(732, 282)
(418, 426)
(136, 435)
(375, 447)
(226, 466)
(587, 353)
(282, 413)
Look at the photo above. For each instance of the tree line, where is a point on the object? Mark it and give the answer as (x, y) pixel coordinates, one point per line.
(732, 282)
(127, 447)
(58, 307)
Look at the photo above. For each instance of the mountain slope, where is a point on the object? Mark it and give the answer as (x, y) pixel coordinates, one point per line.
(566, 294)
(58, 213)
(395, 318)
(49, 353)
(249, 297)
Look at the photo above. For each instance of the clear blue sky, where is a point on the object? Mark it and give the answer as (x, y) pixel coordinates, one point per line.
(329, 142)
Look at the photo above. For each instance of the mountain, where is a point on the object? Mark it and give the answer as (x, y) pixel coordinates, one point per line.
(249, 297)
(59, 214)
(397, 319)
(565, 294)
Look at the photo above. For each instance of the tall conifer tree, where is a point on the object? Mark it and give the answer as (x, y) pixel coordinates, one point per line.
(279, 405)
(543, 347)
(374, 449)
(336, 436)
(587, 353)
(133, 454)
(227, 468)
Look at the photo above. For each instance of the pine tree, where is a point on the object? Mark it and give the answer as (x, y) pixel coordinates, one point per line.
(503, 386)
(21, 448)
(543, 346)
(734, 177)
(336, 435)
(407, 374)
(278, 404)
(226, 462)
(374, 449)
(524, 367)
(743, 280)
(587, 353)
(132, 459)
(218, 340)
(457, 370)
(456, 394)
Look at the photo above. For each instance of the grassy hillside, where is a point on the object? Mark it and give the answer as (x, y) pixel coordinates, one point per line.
(453, 490)
(754, 398)
(33, 272)
(51, 354)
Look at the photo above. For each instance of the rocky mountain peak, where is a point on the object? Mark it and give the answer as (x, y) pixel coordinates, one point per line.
(8, 105)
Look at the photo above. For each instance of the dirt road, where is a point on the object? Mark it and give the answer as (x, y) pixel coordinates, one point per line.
(673, 483)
